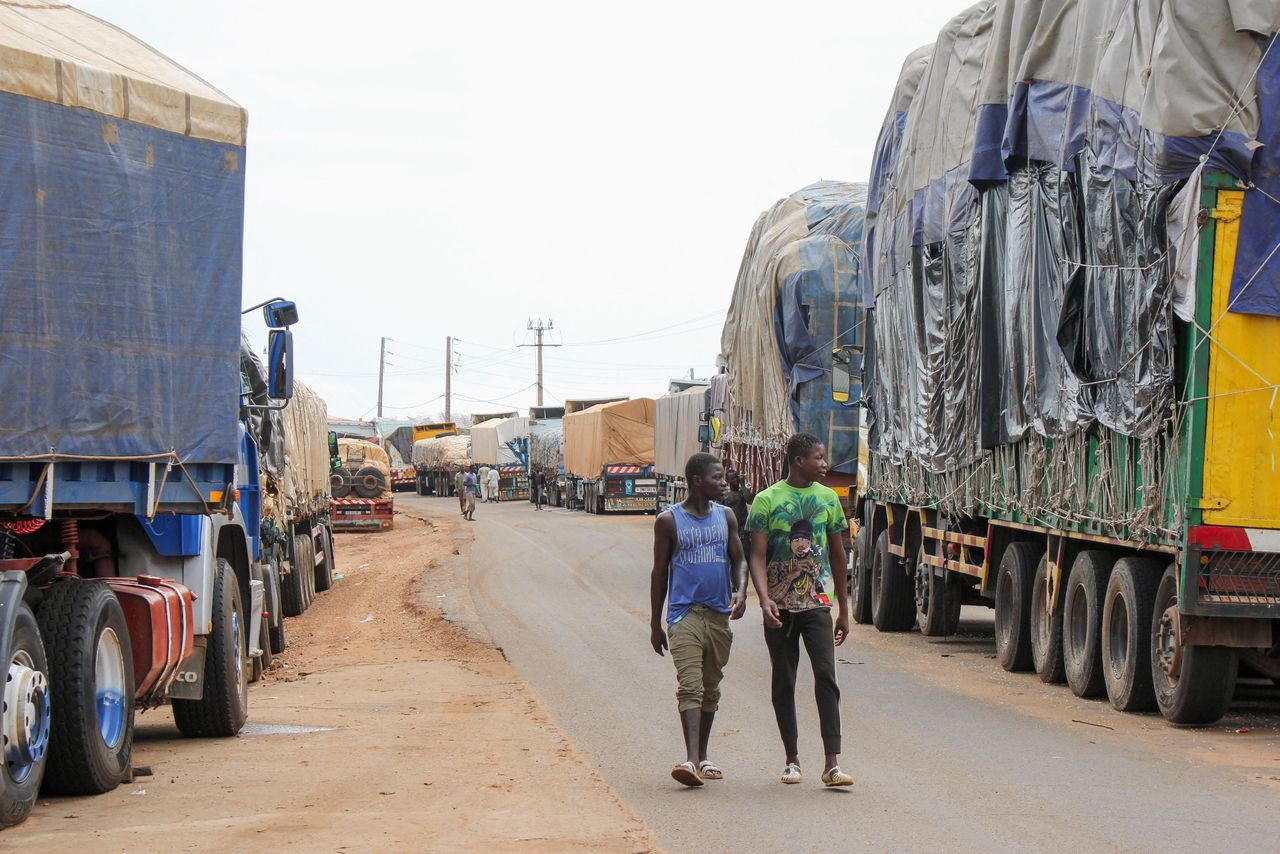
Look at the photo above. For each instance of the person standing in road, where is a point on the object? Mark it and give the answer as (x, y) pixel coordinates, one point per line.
(460, 489)
(493, 477)
(795, 527)
(739, 501)
(700, 571)
(484, 480)
(471, 491)
(536, 484)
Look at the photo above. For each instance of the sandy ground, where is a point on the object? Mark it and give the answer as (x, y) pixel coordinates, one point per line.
(384, 727)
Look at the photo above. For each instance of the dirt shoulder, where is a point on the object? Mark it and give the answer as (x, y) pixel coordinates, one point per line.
(384, 726)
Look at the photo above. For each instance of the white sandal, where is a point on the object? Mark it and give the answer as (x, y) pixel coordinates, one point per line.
(791, 774)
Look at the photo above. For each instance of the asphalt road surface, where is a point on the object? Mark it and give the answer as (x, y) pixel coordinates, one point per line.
(948, 752)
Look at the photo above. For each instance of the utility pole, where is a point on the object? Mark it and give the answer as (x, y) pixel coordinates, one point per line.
(382, 365)
(538, 328)
(448, 378)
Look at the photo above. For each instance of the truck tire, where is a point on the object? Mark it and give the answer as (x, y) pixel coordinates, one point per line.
(1014, 580)
(1126, 640)
(370, 482)
(25, 718)
(860, 583)
(340, 482)
(324, 572)
(419, 485)
(310, 574)
(1200, 692)
(1046, 629)
(277, 638)
(938, 599)
(1082, 622)
(893, 608)
(293, 587)
(224, 708)
(263, 662)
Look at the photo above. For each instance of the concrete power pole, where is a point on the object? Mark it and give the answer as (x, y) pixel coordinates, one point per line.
(448, 378)
(538, 328)
(382, 365)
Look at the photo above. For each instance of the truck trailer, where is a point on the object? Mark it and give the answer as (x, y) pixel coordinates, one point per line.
(1071, 363)
(608, 457)
(503, 443)
(679, 420)
(130, 494)
(437, 460)
(361, 487)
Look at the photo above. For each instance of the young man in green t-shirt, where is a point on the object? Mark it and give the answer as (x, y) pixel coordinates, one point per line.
(795, 527)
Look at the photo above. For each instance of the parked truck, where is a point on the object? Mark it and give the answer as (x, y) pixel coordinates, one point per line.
(296, 559)
(361, 487)
(1071, 351)
(546, 456)
(503, 443)
(608, 457)
(130, 497)
(680, 424)
(797, 300)
(437, 460)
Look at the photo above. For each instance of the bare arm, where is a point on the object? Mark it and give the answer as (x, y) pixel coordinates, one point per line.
(759, 548)
(839, 561)
(737, 567)
(663, 535)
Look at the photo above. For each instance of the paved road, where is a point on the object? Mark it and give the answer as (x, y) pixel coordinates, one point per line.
(949, 752)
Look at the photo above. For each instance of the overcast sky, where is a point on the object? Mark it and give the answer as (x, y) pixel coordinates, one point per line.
(419, 170)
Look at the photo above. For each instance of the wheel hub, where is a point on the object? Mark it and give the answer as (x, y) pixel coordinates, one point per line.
(1168, 650)
(26, 717)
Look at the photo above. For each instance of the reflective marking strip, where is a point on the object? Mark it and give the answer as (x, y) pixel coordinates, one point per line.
(1264, 539)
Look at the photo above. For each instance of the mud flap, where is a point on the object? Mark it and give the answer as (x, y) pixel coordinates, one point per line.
(188, 682)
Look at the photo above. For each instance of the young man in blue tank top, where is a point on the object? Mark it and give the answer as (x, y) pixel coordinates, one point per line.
(700, 570)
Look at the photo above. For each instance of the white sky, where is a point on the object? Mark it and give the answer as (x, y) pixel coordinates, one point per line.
(418, 170)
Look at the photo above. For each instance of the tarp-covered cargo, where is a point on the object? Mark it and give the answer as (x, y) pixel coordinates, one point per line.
(489, 440)
(546, 445)
(442, 453)
(797, 298)
(676, 420)
(619, 433)
(121, 226)
(1033, 229)
(357, 454)
(306, 450)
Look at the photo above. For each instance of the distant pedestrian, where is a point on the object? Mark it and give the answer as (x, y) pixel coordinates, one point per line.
(484, 481)
(536, 482)
(493, 478)
(460, 490)
(471, 491)
(739, 501)
(700, 570)
(796, 527)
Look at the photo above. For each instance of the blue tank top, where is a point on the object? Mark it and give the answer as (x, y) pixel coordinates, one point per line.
(700, 563)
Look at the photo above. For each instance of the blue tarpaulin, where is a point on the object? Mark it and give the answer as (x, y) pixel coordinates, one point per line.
(120, 273)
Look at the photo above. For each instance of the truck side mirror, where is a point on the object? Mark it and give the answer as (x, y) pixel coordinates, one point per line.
(280, 314)
(840, 362)
(704, 434)
(280, 362)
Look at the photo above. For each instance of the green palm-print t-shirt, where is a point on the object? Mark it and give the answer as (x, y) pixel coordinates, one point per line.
(798, 522)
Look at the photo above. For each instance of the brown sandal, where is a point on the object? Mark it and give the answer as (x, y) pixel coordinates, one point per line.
(687, 774)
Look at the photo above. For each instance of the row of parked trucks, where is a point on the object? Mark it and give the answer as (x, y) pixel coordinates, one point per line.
(1041, 346)
(164, 493)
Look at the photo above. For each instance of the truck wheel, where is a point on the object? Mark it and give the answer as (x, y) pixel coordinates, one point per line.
(1193, 684)
(1082, 622)
(309, 570)
(893, 608)
(224, 707)
(324, 572)
(263, 662)
(91, 683)
(25, 719)
(370, 482)
(860, 583)
(1046, 629)
(293, 589)
(937, 598)
(1014, 580)
(277, 639)
(340, 482)
(1126, 642)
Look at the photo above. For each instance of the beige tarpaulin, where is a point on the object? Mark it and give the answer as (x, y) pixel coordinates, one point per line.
(676, 421)
(489, 440)
(306, 451)
(444, 452)
(618, 433)
(53, 52)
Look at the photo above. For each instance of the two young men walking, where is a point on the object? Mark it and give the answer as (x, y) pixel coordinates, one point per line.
(795, 529)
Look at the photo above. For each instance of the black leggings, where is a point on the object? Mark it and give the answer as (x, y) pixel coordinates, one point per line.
(784, 652)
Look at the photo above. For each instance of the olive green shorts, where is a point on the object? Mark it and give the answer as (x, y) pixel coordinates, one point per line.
(700, 644)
